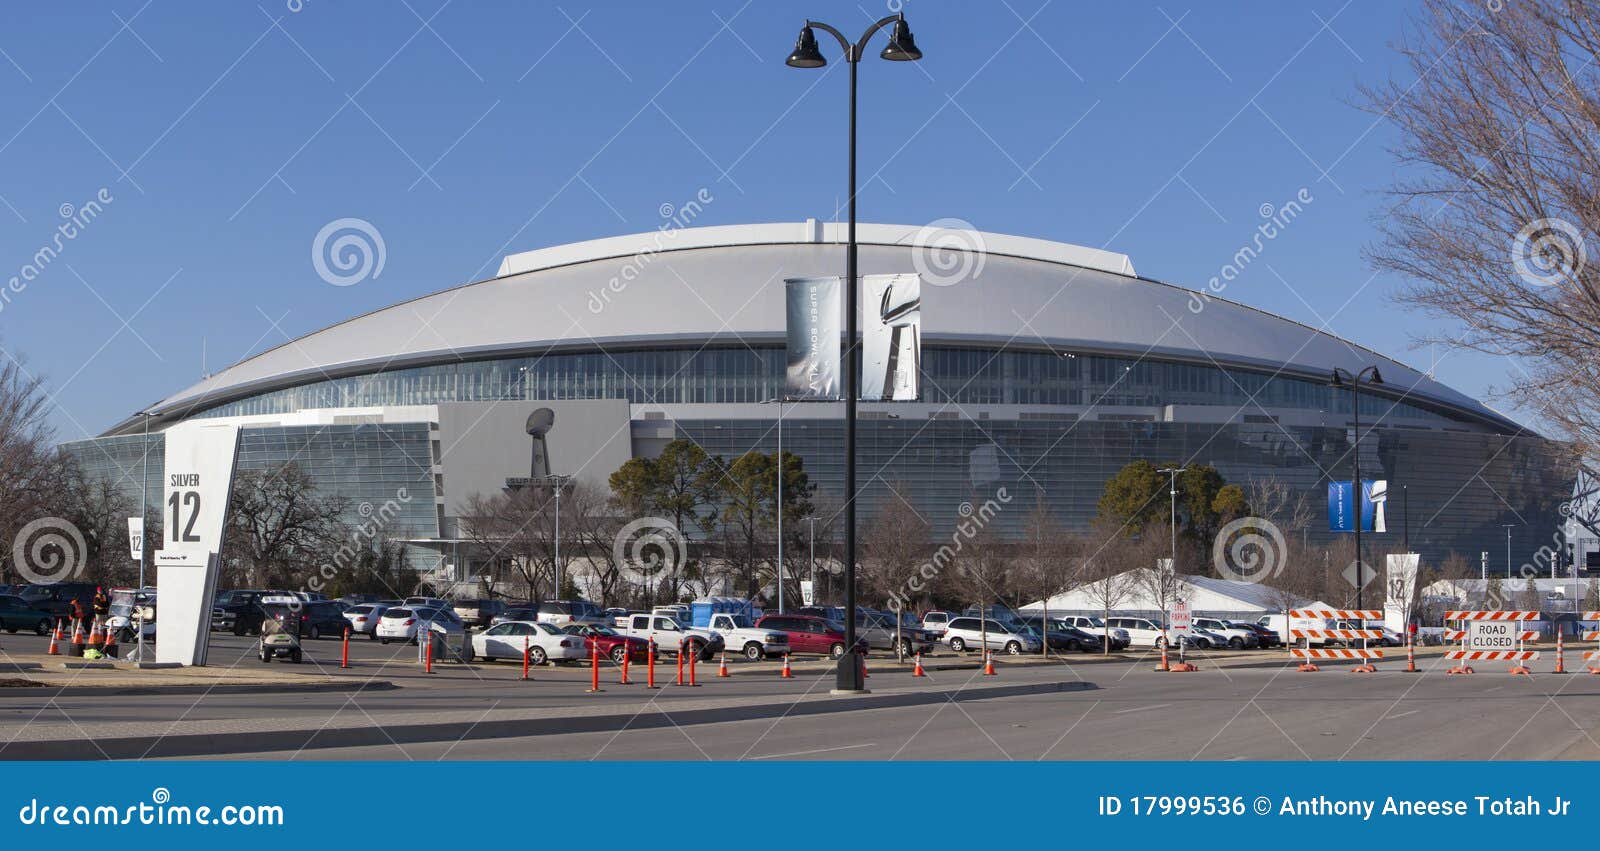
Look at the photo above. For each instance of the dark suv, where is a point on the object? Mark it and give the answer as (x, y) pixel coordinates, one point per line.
(240, 611)
(56, 600)
(322, 619)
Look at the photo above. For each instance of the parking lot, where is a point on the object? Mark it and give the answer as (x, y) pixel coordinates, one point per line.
(1240, 705)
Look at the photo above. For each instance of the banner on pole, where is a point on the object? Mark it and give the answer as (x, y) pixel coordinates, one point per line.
(891, 339)
(813, 336)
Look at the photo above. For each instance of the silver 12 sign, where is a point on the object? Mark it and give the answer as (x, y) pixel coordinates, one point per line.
(183, 507)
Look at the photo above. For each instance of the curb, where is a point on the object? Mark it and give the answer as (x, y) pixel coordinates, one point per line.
(224, 744)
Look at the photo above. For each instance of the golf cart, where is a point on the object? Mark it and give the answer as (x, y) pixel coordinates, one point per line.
(132, 610)
(280, 630)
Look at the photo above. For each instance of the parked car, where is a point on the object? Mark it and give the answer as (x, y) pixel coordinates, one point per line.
(810, 634)
(56, 600)
(612, 645)
(1235, 635)
(239, 611)
(478, 612)
(562, 612)
(882, 632)
(363, 619)
(321, 619)
(1281, 625)
(402, 622)
(669, 635)
(544, 643)
(516, 612)
(741, 637)
(1119, 638)
(936, 621)
(1004, 614)
(1142, 631)
(1264, 637)
(1060, 636)
(965, 632)
(17, 613)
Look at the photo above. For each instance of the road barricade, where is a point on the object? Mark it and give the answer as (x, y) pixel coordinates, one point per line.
(1488, 637)
(1363, 653)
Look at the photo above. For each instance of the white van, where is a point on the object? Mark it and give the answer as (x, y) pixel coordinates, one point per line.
(1281, 624)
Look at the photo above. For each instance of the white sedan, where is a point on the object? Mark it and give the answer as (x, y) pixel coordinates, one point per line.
(545, 642)
(401, 624)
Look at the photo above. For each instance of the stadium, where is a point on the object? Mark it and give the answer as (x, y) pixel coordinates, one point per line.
(1045, 368)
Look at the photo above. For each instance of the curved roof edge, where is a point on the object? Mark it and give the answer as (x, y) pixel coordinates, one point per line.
(812, 231)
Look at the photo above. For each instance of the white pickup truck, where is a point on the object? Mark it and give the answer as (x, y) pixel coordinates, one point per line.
(669, 635)
(739, 636)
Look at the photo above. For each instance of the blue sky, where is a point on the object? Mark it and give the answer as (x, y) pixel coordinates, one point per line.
(227, 135)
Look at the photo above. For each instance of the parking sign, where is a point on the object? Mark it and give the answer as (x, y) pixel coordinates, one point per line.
(1181, 622)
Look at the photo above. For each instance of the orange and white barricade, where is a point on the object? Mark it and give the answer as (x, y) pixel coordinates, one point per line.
(1517, 655)
(1363, 653)
(1592, 656)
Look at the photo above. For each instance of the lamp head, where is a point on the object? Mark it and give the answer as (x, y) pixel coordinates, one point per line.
(806, 54)
(902, 47)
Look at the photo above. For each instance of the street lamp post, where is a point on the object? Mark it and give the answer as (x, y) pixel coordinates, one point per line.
(144, 498)
(1343, 379)
(779, 498)
(1172, 492)
(901, 48)
(1508, 547)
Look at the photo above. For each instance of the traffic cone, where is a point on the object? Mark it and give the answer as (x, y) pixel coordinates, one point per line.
(988, 663)
(110, 648)
(917, 671)
(77, 638)
(94, 633)
(722, 668)
(864, 673)
(55, 641)
(786, 673)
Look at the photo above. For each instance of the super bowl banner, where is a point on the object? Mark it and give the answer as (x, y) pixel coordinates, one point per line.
(1341, 506)
(891, 338)
(813, 320)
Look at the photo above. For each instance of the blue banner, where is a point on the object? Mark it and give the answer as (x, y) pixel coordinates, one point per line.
(1341, 507)
(216, 804)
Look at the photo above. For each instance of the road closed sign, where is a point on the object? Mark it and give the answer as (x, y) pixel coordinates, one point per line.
(1492, 635)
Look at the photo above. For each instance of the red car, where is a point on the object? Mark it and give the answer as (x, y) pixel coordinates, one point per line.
(810, 634)
(612, 643)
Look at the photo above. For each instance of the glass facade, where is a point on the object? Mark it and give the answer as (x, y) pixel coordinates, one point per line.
(745, 375)
(1459, 488)
(367, 465)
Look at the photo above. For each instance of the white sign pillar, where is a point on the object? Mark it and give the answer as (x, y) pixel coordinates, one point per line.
(199, 481)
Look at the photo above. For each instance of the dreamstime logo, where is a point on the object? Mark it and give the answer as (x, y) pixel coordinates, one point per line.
(650, 544)
(973, 520)
(1275, 220)
(1249, 549)
(49, 550)
(374, 520)
(75, 221)
(948, 251)
(673, 219)
(348, 251)
(1547, 252)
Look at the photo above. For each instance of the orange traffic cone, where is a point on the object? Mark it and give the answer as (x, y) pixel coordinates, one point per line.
(110, 648)
(786, 673)
(722, 669)
(94, 634)
(55, 641)
(77, 638)
(988, 663)
(864, 673)
(917, 671)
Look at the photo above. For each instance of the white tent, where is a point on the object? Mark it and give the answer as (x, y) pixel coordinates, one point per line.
(1205, 596)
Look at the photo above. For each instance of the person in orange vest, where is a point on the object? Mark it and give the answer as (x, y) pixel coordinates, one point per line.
(75, 610)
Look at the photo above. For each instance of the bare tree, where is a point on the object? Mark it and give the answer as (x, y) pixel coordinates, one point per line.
(1044, 563)
(513, 531)
(1501, 125)
(1104, 578)
(280, 526)
(895, 547)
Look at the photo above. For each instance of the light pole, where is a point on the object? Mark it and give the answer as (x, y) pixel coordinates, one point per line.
(560, 484)
(1507, 527)
(1343, 379)
(779, 497)
(144, 498)
(901, 48)
(813, 557)
(1172, 476)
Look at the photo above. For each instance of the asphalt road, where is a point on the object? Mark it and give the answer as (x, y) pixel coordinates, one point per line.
(1129, 712)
